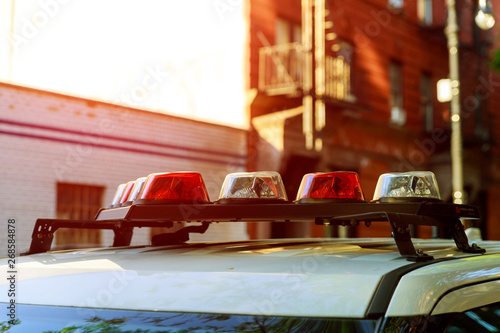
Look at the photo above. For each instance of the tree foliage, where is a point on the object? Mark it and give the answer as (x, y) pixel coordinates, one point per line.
(495, 62)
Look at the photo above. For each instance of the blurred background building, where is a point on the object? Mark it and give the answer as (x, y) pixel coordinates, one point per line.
(351, 85)
(64, 156)
(294, 86)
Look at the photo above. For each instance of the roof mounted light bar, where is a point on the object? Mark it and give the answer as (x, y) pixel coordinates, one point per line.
(123, 220)
(335, 198)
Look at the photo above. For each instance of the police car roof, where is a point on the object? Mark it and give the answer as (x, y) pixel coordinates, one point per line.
(352, 278)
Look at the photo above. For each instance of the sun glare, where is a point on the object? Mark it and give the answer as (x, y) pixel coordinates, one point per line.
(176, 57)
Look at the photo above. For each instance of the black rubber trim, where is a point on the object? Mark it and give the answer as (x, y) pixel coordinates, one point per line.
(385, 289)
(411, 199)
(243, 201)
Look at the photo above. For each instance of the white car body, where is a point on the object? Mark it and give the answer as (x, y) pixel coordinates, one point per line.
(289, 285)
(308, 278)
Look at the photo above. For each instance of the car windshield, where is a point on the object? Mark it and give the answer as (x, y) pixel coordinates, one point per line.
(52, 319)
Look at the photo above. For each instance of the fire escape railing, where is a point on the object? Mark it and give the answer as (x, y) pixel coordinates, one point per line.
(282, 71)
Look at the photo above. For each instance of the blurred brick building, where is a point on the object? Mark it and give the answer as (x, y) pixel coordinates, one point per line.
(382, 60)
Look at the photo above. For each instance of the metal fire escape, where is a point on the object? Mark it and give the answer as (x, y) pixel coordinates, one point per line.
(304, 69)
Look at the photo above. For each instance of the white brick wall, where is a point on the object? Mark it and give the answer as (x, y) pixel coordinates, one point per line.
(47, 137)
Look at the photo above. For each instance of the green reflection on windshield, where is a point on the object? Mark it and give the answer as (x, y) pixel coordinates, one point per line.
(77, 320)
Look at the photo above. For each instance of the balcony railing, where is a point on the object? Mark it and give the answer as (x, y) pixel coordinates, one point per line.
(281, 69)
(281, 72)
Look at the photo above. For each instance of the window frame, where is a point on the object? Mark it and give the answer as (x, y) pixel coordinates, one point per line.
(468, 297)
(396, 93)
(427, 101)
(78, 202)
(425, 12)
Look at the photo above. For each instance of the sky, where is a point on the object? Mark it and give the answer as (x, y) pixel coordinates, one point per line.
(179, 57)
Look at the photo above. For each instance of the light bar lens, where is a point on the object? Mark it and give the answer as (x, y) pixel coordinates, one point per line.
(175, 186)
(331, 185)
(253, 185)
(126, 191)
(134, 193)
(118, 194)
(407, 185)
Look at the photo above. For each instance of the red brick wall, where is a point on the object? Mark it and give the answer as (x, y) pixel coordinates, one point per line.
(360, 133)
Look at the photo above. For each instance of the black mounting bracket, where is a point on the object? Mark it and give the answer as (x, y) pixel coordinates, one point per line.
(400, 222)
(43, 233)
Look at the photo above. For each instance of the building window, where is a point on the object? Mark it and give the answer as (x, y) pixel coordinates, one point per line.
(396, 5)
(424, 11)
(78, 202)
(398, 115)
(426, 107)
(287, 32)
(296, 33)
(338, 72)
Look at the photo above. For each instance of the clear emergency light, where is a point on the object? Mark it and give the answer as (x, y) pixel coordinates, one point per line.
(118, 195)
(339, 185)
(174, 187)
(136, 190)
(407, 186)
(264, 185)
(126, 192)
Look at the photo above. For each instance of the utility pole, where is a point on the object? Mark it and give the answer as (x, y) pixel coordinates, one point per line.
(451, 32)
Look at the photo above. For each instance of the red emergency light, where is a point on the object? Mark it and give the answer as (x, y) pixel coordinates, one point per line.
(339, 185)
(174, 187)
